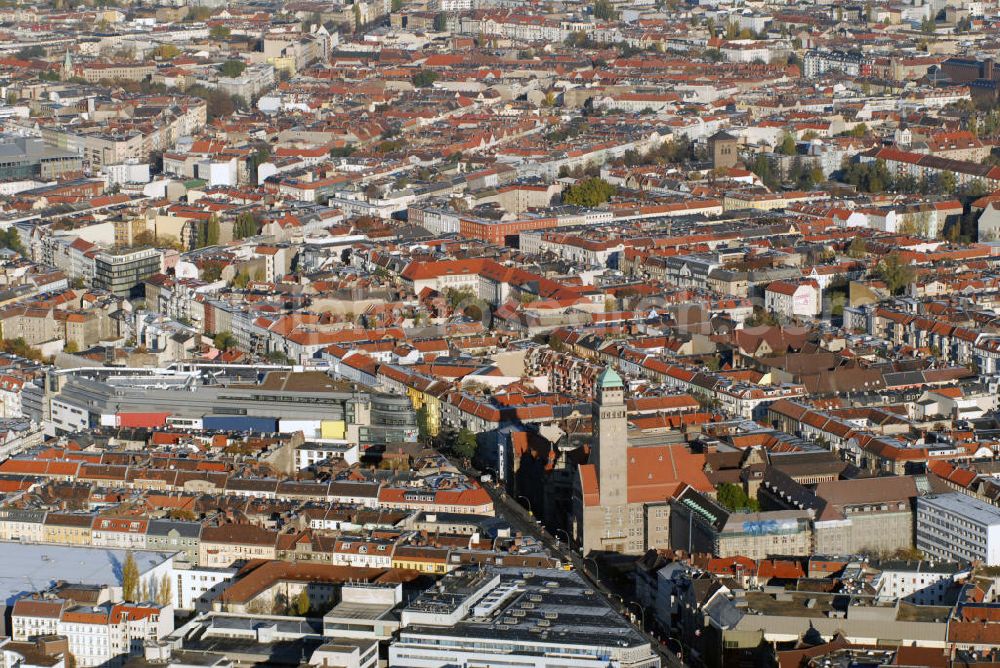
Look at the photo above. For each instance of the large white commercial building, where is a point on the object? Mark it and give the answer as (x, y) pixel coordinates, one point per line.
(513, 617)
(958, 527)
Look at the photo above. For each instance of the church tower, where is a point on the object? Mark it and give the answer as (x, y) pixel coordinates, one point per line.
(610, 439)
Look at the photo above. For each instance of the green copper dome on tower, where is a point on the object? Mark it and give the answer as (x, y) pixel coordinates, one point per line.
(609, 378)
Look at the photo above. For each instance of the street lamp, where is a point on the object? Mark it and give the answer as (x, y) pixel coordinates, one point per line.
(642, 611)
(569, 542)
(597, 571)
(521, 496)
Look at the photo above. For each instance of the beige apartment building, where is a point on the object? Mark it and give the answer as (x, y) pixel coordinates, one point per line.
(221, 546)
(22, 525)
(95, 72)
(67, 529)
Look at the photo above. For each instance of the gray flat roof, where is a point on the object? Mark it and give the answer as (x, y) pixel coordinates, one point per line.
(289, 625)
(963, 504)
(350, 610)
(27, 568)
(548, 606)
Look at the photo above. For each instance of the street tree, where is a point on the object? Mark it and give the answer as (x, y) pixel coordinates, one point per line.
(465, 444)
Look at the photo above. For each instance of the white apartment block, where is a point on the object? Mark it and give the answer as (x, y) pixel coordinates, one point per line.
(33, 617)
(195, 588)
(918, 582)
(106, 635)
